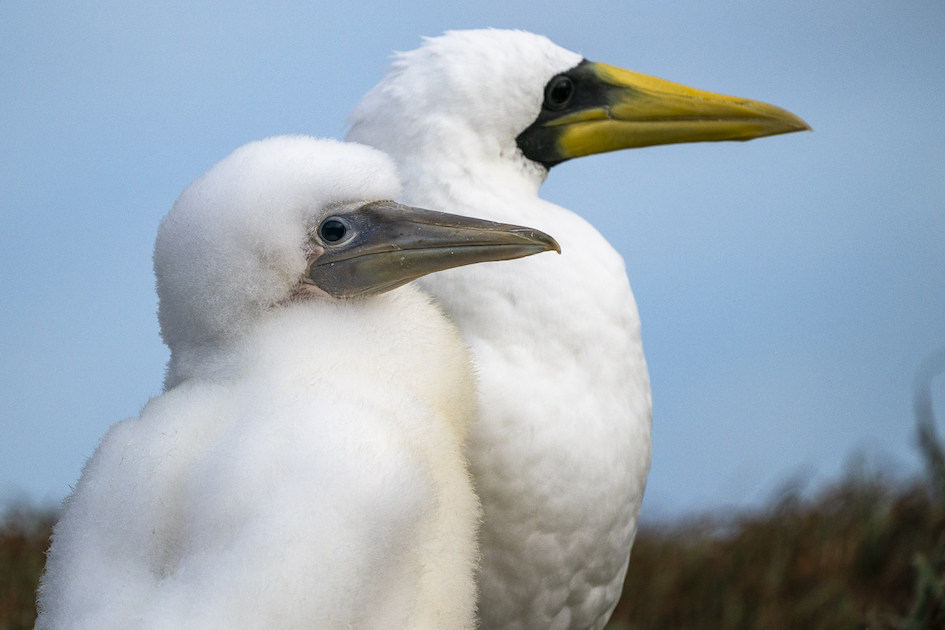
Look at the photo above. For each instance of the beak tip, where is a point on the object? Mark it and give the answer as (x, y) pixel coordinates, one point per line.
(795, 122)
(548, 241)
(802, 125)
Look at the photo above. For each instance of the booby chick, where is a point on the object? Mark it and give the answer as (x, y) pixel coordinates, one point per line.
(561, 450)
(304, 467)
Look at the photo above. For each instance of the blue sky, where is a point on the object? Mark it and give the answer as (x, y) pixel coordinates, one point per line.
(789, 287)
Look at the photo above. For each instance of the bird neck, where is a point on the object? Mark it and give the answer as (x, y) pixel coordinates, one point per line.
(399, 337)
(449, 159)
(465, 183)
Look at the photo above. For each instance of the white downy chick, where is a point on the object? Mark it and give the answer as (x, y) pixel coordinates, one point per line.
(561, 450)
(304, 467)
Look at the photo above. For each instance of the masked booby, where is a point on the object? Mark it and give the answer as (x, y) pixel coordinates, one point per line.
(304, 467)
(561, 450)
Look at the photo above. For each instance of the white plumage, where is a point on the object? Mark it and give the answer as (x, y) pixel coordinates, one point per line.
(561, 450)
(304, 468)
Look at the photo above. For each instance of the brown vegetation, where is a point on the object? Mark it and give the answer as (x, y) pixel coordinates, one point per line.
(24, 538)
(859, 555)
(866, 553)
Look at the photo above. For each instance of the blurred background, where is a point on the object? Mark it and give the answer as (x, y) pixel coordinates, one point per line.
(789, 287)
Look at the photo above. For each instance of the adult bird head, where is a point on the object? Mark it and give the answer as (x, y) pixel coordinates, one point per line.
(293, 218)
(500, 94)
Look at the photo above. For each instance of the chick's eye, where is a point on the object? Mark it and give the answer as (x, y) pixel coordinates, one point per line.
(332, 230)
(558, 91)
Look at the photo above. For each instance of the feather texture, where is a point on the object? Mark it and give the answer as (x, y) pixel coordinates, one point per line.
(561, 450)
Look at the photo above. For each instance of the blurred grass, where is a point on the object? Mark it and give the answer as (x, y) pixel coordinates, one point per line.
(24, 538)
(861, 554)
(865, 553)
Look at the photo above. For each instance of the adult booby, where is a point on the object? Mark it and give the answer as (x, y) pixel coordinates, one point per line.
(304, 468)
(561, 451)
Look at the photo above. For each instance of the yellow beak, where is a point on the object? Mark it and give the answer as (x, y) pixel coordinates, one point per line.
(614, 109)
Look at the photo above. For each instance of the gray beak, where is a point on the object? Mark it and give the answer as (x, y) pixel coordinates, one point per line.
(383, 245)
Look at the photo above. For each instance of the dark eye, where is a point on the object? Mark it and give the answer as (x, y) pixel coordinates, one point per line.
(558, 92)
(332, 230)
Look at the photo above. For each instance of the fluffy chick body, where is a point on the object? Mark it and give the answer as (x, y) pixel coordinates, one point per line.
(304, 469)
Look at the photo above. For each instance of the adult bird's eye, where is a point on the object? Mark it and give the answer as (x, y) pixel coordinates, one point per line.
(558, 92)
(332, 230)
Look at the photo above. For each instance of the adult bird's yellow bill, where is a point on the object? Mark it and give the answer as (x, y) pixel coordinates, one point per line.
(595, 108)
(561, 448)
